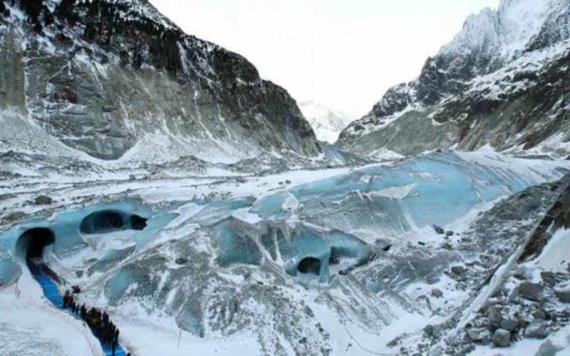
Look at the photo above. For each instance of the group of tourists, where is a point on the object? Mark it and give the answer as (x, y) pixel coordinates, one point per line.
(98, 321)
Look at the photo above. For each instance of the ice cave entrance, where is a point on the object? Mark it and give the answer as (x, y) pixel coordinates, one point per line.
(32, 243)
(310, 265)
(111, 220)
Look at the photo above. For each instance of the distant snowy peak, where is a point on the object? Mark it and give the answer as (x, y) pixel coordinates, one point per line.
(504, 33)
(326, 123)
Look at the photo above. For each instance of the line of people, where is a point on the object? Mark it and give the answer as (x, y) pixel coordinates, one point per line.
(98, 321)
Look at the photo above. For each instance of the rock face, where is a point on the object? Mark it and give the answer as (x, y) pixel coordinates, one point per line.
(109, 76)
(495, 83)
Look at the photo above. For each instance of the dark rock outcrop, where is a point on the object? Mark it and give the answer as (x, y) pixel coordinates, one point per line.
(478, 90)
(109, 75)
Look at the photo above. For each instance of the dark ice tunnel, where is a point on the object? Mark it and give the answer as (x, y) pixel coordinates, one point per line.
(32, 243)
(310, 265)
(111, 220)
(138, 222)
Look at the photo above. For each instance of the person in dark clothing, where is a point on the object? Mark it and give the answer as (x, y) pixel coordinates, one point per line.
(66, 299)
(114, 346)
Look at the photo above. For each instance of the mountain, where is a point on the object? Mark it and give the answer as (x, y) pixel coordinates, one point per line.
(502, 81)
(326, 123)
(154, 171)
(114, 79)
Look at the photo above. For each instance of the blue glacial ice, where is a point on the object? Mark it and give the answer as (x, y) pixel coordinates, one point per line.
(437, 188)
(433, 189)
(70, 229)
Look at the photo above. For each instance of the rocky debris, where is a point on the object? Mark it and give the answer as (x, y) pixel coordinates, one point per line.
(531, 291)
(536, 329)
(43, 200)
(502, 338)
(521, 306)
(438, 229)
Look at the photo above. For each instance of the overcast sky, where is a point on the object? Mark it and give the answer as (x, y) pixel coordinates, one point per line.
(342, 53)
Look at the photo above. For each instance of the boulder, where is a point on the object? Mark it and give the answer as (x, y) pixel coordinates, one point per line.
(43, 200)
(429, 331)
(458, 270)
(531, 291)
(548, 278)
(509, 324)
(494, 315)
(502, 338)
(436, 293)
(438, 229)
(539, 314)
(563, 294)
(536, 330)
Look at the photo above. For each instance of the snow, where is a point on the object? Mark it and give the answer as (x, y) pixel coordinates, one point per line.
(190, 203)
(30, 325)
(167, 340)
(326, 123)
(394, 192)
(502, 33)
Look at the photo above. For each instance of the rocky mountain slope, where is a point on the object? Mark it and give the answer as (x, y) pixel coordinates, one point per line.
(114, 79)
(326, 123)
(502, 81)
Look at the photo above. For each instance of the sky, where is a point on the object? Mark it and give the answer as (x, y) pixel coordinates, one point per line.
(343, 54)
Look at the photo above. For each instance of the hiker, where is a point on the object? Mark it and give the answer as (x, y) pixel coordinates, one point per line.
(115, 341)
(114, 346)
(65, 299)
(76, 289)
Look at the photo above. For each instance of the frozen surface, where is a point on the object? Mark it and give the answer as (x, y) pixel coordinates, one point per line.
(340, 259)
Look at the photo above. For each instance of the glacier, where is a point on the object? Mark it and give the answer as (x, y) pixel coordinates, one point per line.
(216, 258)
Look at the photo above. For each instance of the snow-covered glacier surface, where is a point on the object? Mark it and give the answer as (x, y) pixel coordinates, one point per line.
(334, 261)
